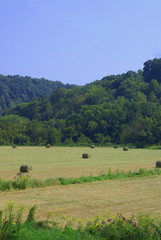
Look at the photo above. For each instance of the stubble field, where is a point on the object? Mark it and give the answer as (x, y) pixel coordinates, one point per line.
(128, 196)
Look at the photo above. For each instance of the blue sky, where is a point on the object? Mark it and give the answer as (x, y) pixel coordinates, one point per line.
(78, 41)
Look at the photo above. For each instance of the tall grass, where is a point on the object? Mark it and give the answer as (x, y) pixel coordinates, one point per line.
(118, 227)
(24, 182)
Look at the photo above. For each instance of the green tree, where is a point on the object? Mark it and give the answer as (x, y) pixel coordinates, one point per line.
(152, 70)
(139, 134)
(53, 136)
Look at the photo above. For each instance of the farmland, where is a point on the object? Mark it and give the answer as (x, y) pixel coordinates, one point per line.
(68, 162)
(128, 196)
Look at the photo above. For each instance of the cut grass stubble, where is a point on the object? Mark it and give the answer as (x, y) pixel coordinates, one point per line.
(129, 195)
(68, 162)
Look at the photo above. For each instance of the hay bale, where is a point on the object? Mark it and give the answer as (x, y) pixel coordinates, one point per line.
(14, 146)
(158, 164)
(25, 168)
(92, 146)
(48, 146)
(85, 155)
(125, 148)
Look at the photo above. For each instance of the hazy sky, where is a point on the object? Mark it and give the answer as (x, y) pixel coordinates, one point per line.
(78, 41)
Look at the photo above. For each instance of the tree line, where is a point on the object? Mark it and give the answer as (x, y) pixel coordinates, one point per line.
(17, 89)
(118, 109)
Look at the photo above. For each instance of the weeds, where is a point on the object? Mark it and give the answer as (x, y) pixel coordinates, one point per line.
(109, 227)
(10, 221)
(142, 227)
(31, 215)
(117, 227)
(25, 181)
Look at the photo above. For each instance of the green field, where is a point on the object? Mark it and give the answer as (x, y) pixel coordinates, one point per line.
(126, 196)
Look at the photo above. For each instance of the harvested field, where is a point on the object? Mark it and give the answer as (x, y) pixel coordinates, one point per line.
(128, 196)
(88, 200)
(67, 161)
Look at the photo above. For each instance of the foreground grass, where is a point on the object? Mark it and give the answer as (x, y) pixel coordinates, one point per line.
(33, 233)
(23, 182)
(107, 227)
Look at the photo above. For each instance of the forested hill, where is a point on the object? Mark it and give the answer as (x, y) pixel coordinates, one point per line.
(119, 109)
(17, 89)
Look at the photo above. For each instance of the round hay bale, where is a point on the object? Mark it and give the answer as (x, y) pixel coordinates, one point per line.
(92, 146)
(14, 146)
(48, 146)
(158, 164)
(115, 147)
(125, 148)
(25, 168)
(85, 155)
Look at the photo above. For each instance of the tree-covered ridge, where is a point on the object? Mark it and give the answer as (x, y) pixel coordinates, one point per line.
(119, 109)
(17, 89)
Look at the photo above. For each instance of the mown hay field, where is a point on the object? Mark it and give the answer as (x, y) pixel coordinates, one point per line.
(68, 162)
(125, 196)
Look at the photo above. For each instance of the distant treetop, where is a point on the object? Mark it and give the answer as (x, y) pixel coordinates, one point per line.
(152, 70)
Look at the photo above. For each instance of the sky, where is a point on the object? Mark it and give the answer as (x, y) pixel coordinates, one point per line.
(78, 41)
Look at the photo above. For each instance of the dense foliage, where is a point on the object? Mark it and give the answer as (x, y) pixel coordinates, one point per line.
(17, 89)
(119, 109)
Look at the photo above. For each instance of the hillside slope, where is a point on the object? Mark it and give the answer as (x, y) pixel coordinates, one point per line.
(17, 89)
(119, 109)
